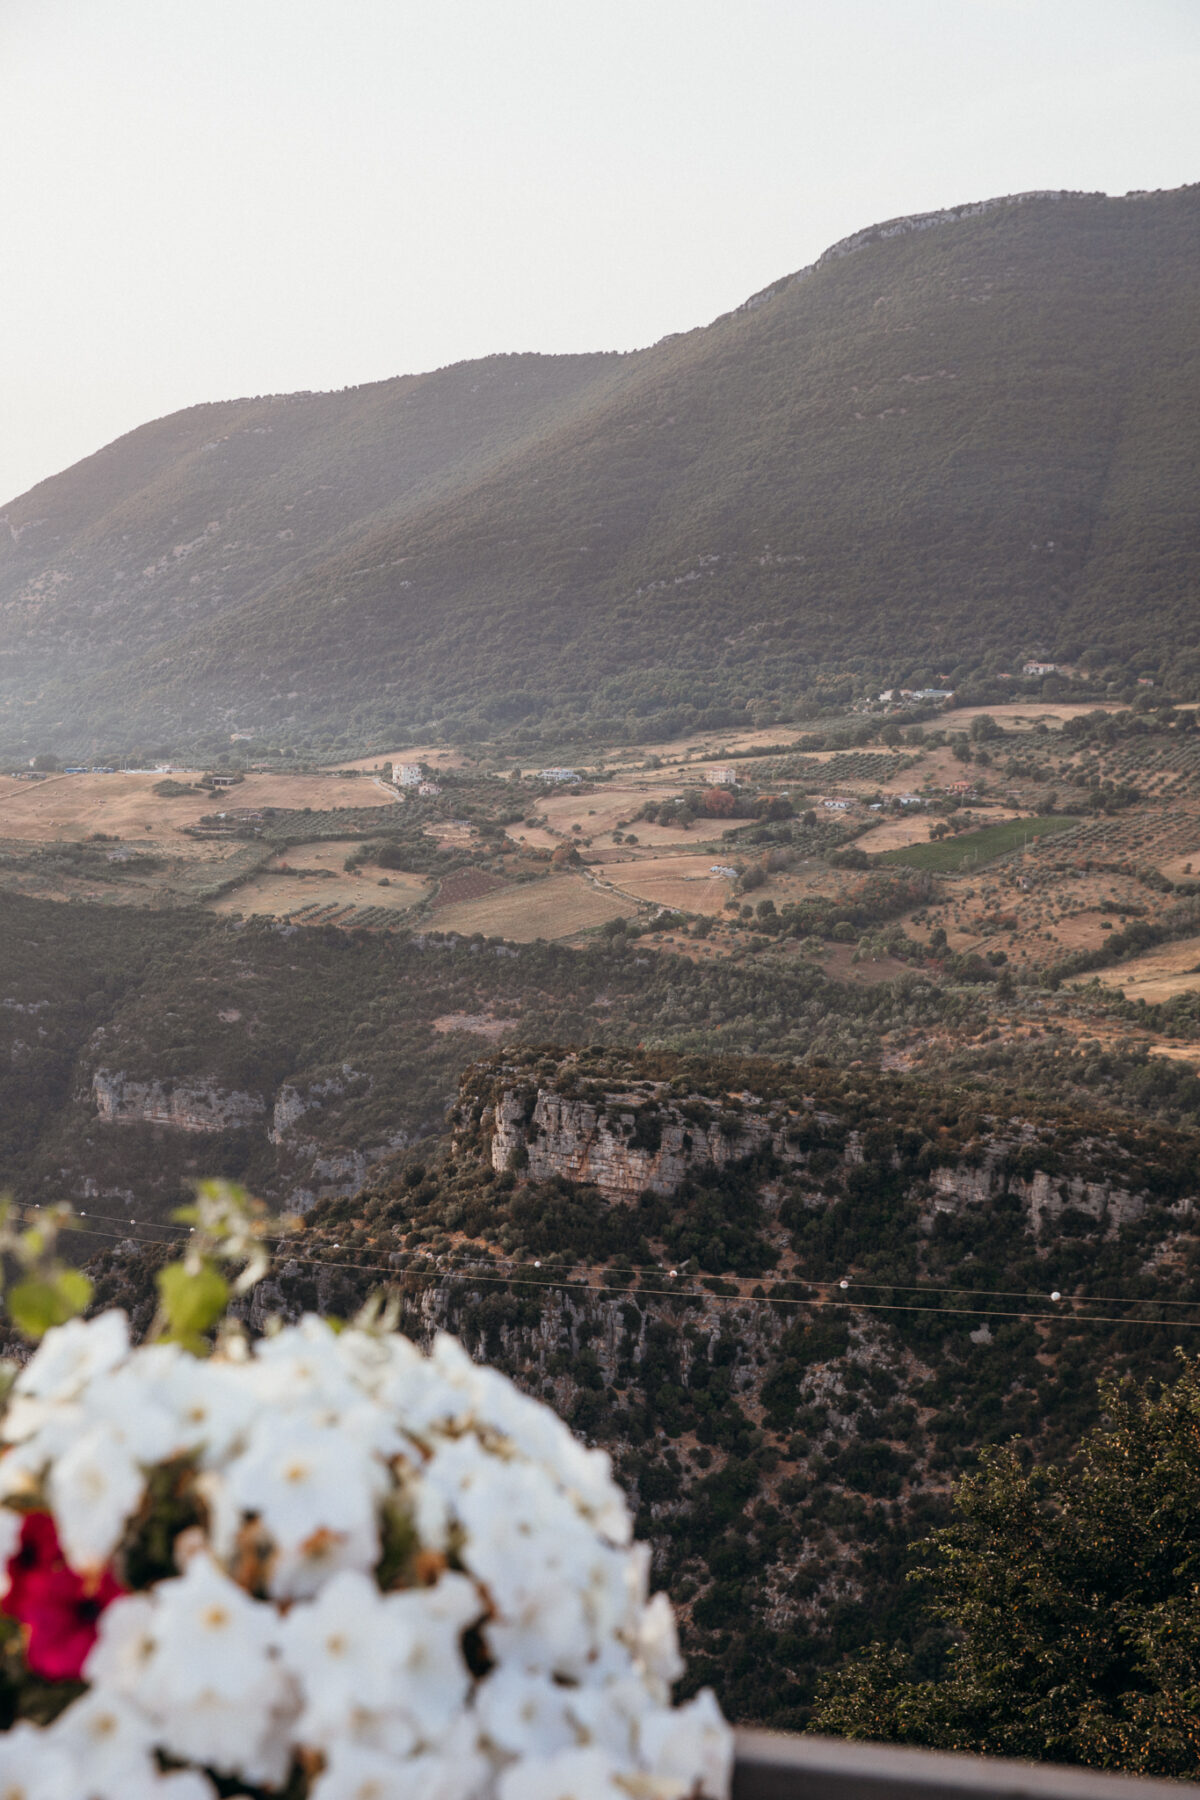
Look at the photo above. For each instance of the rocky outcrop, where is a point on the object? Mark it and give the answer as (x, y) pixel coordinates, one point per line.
(648, 1139)
(623, 1146)
(187, 1106)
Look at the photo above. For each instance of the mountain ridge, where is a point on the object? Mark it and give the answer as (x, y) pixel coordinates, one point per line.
(608, 540)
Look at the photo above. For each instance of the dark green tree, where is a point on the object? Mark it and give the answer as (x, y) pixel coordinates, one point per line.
(1074, 1598)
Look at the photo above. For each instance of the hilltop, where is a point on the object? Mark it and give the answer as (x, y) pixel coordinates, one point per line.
(954, 440)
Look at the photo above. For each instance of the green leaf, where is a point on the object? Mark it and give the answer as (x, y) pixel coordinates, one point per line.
(192, 1302)
(74, 1289)
(35, 1307)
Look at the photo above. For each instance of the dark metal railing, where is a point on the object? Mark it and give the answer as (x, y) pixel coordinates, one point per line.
(773, 1767)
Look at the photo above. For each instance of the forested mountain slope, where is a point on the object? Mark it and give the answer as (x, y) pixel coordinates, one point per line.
(967, 436)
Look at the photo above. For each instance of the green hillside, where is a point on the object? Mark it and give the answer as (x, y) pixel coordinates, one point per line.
(951, 443)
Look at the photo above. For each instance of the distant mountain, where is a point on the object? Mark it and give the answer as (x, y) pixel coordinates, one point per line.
(955, 440)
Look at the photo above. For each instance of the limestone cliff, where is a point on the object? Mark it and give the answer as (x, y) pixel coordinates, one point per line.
(633, 1137)
(188, 1106)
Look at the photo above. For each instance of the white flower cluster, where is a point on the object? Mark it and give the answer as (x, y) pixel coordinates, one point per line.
(311, 1454)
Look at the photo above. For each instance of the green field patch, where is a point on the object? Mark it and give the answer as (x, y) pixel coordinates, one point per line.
(954, 854)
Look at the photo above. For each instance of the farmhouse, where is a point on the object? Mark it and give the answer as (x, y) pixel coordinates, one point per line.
(428, 789)
(836, 805)
(723, 777)
(557, 775)
(223, 781)
(1041, 668)
(408, 775)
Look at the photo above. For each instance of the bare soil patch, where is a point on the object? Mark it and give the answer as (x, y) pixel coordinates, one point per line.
(556, 907)
(467, 884)
(840, 965)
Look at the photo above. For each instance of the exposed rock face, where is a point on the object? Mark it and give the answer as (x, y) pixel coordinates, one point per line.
(628, 1143)
(622, 1149)
(188, 1106)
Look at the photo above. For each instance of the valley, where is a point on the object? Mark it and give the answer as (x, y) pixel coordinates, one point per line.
(684, 865)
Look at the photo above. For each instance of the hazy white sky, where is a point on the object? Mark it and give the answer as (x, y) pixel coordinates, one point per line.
(205, 198)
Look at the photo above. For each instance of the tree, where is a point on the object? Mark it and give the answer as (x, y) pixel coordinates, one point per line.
(984, 728)
(1074, 1596)
(719, 803)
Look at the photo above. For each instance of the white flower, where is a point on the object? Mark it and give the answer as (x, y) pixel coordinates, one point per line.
(356, 1773)
(524, 1714)
(211, 1681)
(607, 1715)
(432, 1680)
(113, 1742)
(540, 1435)
(33, 1767)
(124, 1644)
(342, 1655)
(72, 1354)
(300, 1369)
(692, 1743)
(133, 1402)
(94, 1488)
(212, 1403)
(315, 1493)
(572, 1775)
(658, 1646)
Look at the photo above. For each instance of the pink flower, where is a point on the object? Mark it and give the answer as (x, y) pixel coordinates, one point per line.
(59, 1609)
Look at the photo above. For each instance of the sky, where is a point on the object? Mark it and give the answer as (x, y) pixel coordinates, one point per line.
(212, 198)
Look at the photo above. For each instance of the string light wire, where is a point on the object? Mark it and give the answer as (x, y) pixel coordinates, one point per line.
(705, 1297)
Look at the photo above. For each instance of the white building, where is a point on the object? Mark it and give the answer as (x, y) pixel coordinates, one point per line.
(557, 775)
(408, 775)
(723, 777)
(428, 789)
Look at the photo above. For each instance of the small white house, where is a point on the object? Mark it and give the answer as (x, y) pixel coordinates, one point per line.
(557, 775)
(408, 775)
(724, 870)
(836, 805)
(723, 777)
(428, 789)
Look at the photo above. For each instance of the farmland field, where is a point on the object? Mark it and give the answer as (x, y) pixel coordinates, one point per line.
(124, 804)
(1170, 969)
(283, 889)
(912, 827)
(556, 907)
(955, 854)
(598, 814)
(682, 881)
